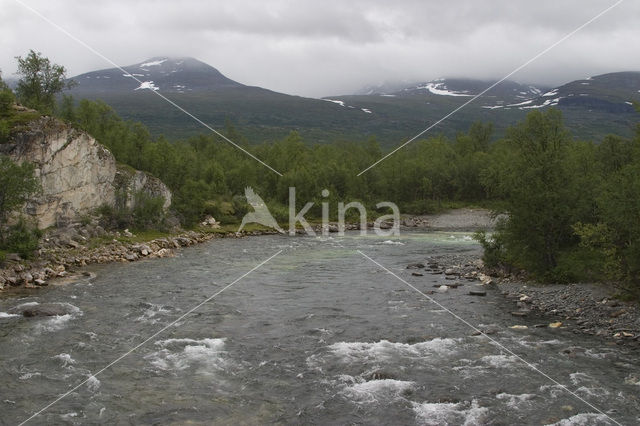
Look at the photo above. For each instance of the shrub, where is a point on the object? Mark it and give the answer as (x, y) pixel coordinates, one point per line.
(148, 211)
(114, 217)
(494, 251)
(22, 238)
(6, 102)
(5, 130)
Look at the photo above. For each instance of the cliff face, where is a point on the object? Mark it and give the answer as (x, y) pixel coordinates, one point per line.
(130, 182)
(77, 174)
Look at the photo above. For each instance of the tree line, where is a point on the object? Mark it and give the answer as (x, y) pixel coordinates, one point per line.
(572, 207)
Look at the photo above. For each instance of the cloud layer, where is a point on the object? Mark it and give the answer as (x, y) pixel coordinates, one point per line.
(318, 48)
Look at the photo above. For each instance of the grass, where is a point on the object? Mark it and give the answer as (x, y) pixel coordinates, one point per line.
(16, 121)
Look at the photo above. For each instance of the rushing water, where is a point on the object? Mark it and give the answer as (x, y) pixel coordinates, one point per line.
(317, 335)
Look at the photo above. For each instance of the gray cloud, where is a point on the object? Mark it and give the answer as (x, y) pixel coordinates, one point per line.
(317, 48)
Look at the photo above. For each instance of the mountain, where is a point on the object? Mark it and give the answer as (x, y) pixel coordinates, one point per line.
(392, 112)
(212, 97)
(613, 93)
(171, 75)
(505, 91)
(591, 107)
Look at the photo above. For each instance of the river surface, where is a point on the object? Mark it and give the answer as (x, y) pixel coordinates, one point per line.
(317, 335)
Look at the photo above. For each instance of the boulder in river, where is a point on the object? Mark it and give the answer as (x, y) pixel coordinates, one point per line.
(43, 309)
(415, 266)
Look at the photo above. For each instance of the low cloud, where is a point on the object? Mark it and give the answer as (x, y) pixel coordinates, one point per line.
(315, 48)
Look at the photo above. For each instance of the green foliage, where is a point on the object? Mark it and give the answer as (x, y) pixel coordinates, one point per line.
(148, 212)
(205, 172)
(66, 110)
(494, 254)
(114, 217)
(17, 184)
(547, 183)
(7, 99)
(40, 82)
(538, 178)
(21, 238)
(573, 207)
(5, 130)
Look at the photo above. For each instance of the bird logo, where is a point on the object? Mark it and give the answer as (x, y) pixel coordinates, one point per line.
(261, 213)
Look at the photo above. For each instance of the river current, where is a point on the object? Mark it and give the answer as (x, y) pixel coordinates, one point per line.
(317, 335)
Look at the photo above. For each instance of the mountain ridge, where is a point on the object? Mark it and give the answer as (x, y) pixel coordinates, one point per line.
(265, 115)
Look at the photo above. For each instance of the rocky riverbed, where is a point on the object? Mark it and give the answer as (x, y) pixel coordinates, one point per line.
(585, 308)
(466, 219)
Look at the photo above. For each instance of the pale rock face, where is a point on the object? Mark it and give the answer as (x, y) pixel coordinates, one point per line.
(77, 173)
(134, 181)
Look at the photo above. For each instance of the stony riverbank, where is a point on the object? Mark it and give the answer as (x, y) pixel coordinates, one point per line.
(584, 308)
(466, 219)
(64, 251)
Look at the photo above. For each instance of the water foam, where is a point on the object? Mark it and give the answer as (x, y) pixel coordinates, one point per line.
(500, 361)
(514, 401)
(440, 413)
(180, 354)
(149, 315)
(386, 350)
(392, 243)
(54, 323)
(66, 360)
(377, 391)
(93, 384)
(584, 419)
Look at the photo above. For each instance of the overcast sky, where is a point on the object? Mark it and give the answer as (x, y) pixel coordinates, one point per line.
(325, 47)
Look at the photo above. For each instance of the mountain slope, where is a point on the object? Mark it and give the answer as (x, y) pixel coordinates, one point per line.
(591, 110)
(172, 75)
(592, 107)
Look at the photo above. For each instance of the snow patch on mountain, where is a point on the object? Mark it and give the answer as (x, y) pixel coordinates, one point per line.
(548, 102)
(521, 103)
(147, 85)
(341, 103)
(153, 63)
(440, 88)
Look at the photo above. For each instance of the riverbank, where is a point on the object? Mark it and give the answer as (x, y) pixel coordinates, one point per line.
(63, 252)
(587, 308)
(464, 219)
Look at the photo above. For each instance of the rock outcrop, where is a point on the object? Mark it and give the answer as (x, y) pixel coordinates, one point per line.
(130, 182)
(77, 173)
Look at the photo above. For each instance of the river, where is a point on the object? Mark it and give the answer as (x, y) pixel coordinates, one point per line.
(317, 335)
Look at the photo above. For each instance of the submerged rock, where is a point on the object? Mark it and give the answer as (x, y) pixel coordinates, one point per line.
(43, 309)
(415, 266)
